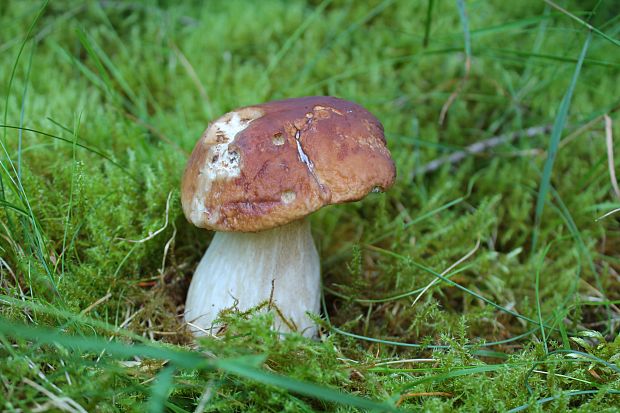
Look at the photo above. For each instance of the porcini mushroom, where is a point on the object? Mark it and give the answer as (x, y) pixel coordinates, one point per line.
(253, 176)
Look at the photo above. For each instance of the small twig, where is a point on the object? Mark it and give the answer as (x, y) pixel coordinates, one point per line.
(202, 330)
(288, 322)
(62, 403)
(385, 363)
(5, 264)
(456, 93)
(467, 40)
(165, 333)
(69, 381)
(166, 248)
(159, 231)
(191, 72)
(41, 375)
(574, 135)
(561, 375)
(447, 270)
(610, 155)
(600, 295)
(96, 303)
(481, 146)
(123, 325)
(128, 320)
(613, 211)
(273, 287)
(205, 397)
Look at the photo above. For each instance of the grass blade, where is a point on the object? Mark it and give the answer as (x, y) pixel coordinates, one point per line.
(19, 53)
(22, 114)
(455, 373)
(185, 359)
(583, 23)
(537, 295)
(44, 335)
(71, 194)
(305, 388)
(452, 283)
(429, 21)
(160, 390)
(88, 148)
(563, 394)
(556, 134)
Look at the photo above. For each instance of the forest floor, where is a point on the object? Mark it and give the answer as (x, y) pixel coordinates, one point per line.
(486, 279)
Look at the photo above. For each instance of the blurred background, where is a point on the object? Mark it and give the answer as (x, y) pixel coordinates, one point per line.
(486, 279)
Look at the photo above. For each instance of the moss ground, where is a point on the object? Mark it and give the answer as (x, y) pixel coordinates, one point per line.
(101, 102)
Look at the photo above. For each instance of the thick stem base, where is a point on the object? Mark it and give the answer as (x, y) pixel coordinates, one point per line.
(242, 270)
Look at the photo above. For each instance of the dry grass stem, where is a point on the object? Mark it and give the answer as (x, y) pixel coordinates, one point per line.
(610, 155)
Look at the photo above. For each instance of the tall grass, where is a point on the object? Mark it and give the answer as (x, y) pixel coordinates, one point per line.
(485, 284)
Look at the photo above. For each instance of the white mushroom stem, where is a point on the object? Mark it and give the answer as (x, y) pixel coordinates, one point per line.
(278, 268)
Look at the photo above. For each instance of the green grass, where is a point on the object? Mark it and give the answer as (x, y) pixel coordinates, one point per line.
(486, 285)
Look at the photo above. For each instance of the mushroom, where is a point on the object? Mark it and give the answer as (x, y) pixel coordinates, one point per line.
(253, 177)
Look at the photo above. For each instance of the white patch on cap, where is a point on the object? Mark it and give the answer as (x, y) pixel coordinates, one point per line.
(288, 196)
(220, 163)
(231, 127)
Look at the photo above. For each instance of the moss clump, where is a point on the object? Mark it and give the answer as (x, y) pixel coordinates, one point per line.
(114, 95)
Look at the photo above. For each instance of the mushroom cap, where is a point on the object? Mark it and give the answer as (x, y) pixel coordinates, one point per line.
(262, 166)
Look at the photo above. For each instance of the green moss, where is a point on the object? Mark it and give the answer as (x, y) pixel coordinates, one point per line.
(139, 82)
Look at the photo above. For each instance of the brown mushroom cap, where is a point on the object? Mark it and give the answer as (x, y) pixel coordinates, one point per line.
(262, 166)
